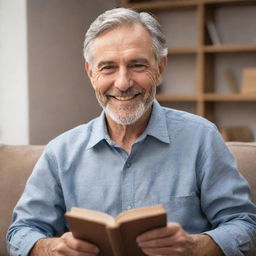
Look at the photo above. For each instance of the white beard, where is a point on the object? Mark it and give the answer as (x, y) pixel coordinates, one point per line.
(134, 115)
(127, 119)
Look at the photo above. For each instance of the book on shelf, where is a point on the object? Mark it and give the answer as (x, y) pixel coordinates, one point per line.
(115, 236)
(231, 81)
(249, 81)
(237, 133)
(213, 33)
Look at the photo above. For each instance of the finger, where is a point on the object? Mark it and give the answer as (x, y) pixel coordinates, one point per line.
(163, 242)
(66, 251)
(80, 245)
(169, 230)
(164, 251)
(61, 249)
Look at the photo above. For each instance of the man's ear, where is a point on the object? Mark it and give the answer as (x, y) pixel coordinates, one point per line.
(88, 69)
(162, 65)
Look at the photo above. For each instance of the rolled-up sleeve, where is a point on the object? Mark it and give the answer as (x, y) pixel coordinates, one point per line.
(225, 199)
(39, 213)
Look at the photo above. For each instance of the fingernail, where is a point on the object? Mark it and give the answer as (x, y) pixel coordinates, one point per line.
(138, 239)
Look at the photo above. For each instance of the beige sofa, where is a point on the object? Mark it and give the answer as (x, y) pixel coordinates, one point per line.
(16, 163)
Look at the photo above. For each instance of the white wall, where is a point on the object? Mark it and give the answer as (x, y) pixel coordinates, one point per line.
(44, 90)
(60, 95)
(13, 73)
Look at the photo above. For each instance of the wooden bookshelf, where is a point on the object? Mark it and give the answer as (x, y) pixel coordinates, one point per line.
(207, 56)
(166, 4)
(230, 48)
(177, 97)
(182, 50)
(230, 97)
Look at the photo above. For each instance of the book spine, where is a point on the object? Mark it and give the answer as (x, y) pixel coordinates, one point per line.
(231, 81)
(115, 240)
(213, 33)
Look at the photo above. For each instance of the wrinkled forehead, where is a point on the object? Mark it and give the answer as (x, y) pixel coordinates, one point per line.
(123, 40)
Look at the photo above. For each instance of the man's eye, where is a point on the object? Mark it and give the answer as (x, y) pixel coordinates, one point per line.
(138, 67)
(107, 69)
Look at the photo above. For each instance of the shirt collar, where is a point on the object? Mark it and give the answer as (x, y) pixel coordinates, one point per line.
(157, 127)
(99, 131)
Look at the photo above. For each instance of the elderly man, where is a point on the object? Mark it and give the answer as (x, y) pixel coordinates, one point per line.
(136, 154)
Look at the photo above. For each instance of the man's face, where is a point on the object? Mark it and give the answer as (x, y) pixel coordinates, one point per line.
(124, 72)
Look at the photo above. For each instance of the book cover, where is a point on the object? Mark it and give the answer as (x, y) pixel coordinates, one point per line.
(237, 133)
(115, 236)
(213, 33)
(249, 81)
(231, 81)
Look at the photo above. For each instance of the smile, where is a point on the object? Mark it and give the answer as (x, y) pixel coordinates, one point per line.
(124, 98)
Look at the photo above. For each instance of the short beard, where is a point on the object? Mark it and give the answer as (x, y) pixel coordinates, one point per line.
(129, 118)
(132, 117)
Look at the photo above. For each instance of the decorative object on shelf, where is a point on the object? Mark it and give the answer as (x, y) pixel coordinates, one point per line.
(249, 81)
(231, 81)
(241, 133)
(213, 33)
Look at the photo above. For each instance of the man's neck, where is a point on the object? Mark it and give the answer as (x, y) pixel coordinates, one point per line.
(126, 135)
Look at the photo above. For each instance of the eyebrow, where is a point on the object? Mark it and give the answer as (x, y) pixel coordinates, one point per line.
(104, 63)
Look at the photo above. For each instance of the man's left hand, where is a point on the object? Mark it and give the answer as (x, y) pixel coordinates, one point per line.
(173, 240)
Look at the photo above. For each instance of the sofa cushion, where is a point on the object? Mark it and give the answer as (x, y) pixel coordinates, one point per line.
(245, 154)
(16, 163)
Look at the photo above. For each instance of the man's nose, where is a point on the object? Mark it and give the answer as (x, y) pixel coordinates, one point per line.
(123, 80)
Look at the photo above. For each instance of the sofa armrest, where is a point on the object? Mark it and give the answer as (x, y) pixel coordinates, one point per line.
(245, 154)
(16, 164)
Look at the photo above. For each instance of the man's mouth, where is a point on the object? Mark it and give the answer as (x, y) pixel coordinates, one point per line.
(124, 98)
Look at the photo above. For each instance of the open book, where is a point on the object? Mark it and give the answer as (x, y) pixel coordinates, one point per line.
(115, 236)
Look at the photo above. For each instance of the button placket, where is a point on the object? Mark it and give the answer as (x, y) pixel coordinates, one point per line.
(127, 186)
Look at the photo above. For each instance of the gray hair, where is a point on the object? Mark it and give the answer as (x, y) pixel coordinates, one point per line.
(119, 16)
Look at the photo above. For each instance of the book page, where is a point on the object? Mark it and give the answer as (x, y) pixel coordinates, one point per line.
(139, 213)
(92, 215)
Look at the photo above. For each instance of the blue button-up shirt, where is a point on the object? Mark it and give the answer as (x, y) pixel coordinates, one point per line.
(179, 161)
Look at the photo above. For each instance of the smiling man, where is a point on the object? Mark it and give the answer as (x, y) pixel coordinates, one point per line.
(136, 154)
(124, 73)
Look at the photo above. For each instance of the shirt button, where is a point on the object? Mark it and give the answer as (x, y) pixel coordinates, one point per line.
(128, 165)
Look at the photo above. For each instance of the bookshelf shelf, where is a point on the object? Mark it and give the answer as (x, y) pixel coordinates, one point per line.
(198, 62)
(229, 97)
(165, 4)
(230, 48)
(182, 50)
(177, 97)
(160, 5)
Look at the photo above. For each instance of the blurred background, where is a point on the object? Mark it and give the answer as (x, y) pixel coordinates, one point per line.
(44, 90)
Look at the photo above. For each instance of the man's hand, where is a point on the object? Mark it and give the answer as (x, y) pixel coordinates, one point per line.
(64, 245)
(174, 241)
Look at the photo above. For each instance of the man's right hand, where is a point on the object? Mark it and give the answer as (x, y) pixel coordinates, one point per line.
(64, 245)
